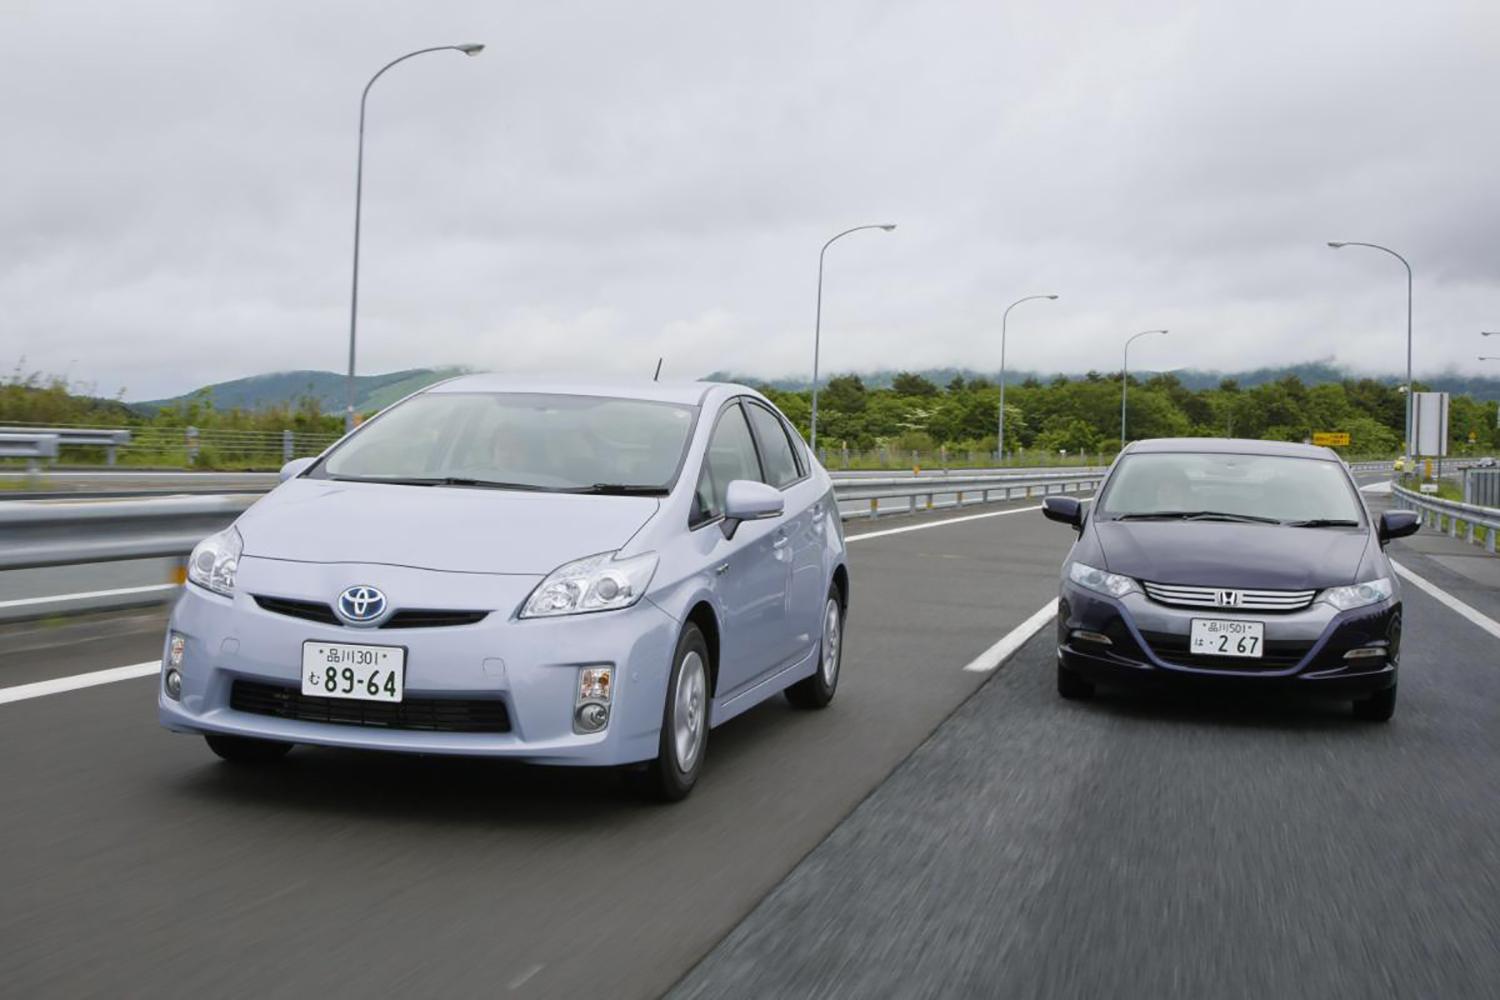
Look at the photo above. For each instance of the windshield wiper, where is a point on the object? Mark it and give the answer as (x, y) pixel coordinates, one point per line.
(1323, 522)
(622, 490)
(489, 484)
(1195, 515)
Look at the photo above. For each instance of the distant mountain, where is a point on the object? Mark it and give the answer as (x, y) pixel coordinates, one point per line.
(371, 392)
(1311, 373)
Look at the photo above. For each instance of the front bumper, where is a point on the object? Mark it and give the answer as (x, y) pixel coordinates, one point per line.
(1304, 650)
(531, 666)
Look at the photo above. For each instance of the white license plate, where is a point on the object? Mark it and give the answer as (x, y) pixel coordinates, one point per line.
(344, 670)
(1227, 637)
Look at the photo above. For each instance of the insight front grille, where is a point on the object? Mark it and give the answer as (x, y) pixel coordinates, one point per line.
(315, 611)
(1228, 598)
(439, 715)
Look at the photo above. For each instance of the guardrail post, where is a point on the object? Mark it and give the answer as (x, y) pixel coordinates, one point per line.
(874, 508)
(929, 501)
(109, 454)
(192, 445)
(286, 446)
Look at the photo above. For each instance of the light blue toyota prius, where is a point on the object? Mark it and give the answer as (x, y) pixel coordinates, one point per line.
(555, 573)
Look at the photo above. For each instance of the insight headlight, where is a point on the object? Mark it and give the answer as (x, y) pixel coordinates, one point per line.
(214, 561)
(1360, 594)
(595, 583)
(1101, 581)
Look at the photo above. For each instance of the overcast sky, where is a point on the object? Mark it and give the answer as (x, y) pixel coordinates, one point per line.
(610, 182)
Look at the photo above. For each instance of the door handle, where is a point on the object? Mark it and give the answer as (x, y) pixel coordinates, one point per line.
(721, 569)
(780, 541)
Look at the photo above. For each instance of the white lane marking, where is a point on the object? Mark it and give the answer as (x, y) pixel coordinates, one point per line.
(1381, 487)
(21, 692)
(524, 977)
(22, 602)
(1013, 640)
(946, 520)
(1484, 621)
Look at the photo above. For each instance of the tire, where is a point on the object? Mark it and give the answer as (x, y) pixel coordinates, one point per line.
(243, 750)
(1379, 707)
(818, 690)
(670, 778)
(1071, 686)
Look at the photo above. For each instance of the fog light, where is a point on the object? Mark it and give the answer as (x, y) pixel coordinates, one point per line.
(173, 684)
(1095, 637)
(592, 717)
(175, 646)
(1366, 653)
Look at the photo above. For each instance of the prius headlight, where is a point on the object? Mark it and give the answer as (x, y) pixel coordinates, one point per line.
(594, 583)
(1360, 594)
(214, 561)
(1101, 581)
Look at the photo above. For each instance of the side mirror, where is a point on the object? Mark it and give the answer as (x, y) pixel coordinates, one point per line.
(1065, 509)
(747, 500)
(1398, 524)
(295, 468)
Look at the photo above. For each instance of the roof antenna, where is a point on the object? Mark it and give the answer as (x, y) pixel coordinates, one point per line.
(657, 376)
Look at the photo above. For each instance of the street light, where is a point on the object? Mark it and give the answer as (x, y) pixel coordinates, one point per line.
(470, 49)
(1340, 244)
(818, 324)
(1000, 436)
(1125, 379)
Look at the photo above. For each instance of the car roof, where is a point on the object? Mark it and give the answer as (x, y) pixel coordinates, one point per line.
(688, 393)
(1232, 446)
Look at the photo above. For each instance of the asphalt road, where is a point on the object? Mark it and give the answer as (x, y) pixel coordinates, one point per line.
(133, 862)
(1130, 846)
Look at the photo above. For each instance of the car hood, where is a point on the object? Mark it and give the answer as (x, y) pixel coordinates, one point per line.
(1224, 554)
(457, 529)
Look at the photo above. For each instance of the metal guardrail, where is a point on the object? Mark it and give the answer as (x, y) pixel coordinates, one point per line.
(37, 535)
(108, 438)
(1447, 515)
(185, 445)
(30, 445)
(926, 493)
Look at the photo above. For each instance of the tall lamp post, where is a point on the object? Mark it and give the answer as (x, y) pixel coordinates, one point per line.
(1340, 244)
(1000, 435)
(471, 49)
(1125, 378)
(818, 324)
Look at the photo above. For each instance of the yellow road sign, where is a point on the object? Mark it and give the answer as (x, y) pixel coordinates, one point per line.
(1331, 439)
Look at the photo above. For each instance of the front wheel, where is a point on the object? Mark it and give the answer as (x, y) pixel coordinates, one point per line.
(684, 723)
(1378, 707)
(243, 750)
(817, 691)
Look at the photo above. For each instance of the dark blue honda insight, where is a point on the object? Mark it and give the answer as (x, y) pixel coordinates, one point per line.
(1249, 562)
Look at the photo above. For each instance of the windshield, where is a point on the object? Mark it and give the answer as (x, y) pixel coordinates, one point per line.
(1272, 488)
(527, 441)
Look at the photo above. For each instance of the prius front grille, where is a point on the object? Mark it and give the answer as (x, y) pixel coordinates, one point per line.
(435, 715)
(316, 611)
(1228, 598)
